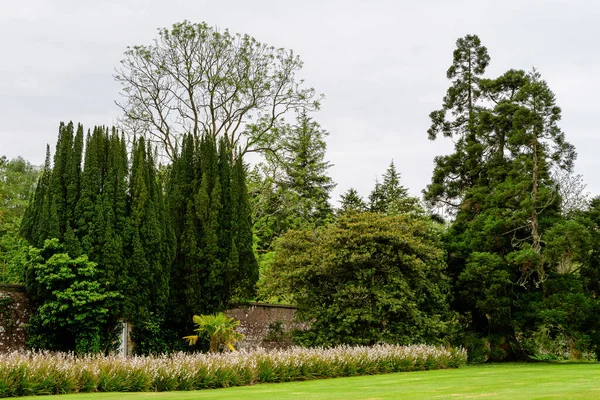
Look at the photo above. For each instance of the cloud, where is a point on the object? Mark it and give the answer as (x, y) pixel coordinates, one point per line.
(381, 65)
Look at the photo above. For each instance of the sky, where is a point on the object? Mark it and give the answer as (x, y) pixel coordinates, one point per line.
(380, 64)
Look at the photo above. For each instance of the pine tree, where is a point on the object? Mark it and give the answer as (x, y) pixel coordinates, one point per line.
(390, 197)
(453, 173)
(306, 171)
(351, 201)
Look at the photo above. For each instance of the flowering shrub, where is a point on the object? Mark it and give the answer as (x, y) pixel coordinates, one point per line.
(43, 373)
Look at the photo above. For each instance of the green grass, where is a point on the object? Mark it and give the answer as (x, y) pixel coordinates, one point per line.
(493, 381)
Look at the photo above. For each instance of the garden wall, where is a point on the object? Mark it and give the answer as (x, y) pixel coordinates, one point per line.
(14, 314)
(264, 325)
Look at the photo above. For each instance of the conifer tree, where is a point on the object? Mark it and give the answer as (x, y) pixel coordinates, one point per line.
(34, 219)
(165, 259)
(247, 265)
(305, 170)
(214, 264)
(390, 197)
(351, 201)
(457, 119)
(148, 241)
(499, 187)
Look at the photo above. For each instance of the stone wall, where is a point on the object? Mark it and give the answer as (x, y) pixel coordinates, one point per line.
(14, 314)
(265, 325)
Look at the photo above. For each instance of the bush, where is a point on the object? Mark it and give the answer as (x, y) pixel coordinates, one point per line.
(367, 278)
(44, 373)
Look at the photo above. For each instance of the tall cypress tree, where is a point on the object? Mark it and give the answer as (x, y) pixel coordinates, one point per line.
(214, 263)
(148, 252)
(164, 258)
(34, 219)
(247, 265)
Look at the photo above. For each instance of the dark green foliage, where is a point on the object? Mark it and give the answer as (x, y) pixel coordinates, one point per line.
(484, 287)
(390, 197)
(366, 278)
(516, 263)
(457, 119)
(114, 216)
(72, 299)
(214, 264)
(351, 201)
(110, 214)
(148, 248)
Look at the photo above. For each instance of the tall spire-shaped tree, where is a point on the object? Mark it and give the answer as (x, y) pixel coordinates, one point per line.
(351, 201)
(457, 119)
(390, 197)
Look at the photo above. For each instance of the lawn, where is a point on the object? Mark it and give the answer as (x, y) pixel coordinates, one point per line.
(493, 381)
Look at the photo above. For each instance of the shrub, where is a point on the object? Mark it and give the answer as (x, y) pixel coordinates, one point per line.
(43, 373)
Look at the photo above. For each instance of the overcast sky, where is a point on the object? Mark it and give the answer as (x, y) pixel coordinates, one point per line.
(380, 64)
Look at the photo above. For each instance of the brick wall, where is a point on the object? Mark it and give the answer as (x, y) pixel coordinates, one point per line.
(14, 314)
(265, 325)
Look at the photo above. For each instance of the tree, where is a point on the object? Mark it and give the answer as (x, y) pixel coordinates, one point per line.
(390, 197)
(214, 265)
(351, 201)
(538, 134)
(504, 252)
(197, 79)
(95, 206)
(17, 185)
(219, 330)
(366, 278)
(290, 190)
(305, 170)
(572, 191)
(454, 172)
(71, 301)
(148, 243)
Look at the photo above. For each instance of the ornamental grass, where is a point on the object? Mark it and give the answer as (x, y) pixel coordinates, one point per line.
(44, 373)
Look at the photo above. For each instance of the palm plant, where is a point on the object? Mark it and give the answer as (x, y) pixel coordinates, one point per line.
(219, 329)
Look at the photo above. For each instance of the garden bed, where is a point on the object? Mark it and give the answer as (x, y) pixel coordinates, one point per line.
(43, 373)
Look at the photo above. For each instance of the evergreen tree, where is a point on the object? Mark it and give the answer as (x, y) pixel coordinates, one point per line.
(214, 264)
(390, 197)
(306, 170)
(243, 241)
(457, 119)
(149, 248)
(505, 202)
(351, 201)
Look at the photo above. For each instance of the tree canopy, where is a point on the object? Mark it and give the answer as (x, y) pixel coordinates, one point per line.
(366, 278)
(197, 79)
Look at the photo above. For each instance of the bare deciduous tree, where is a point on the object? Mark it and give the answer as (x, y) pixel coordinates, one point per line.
(572, 190)
(197, 79)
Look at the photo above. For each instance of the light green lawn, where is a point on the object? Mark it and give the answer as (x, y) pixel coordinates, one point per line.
(494, 381)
